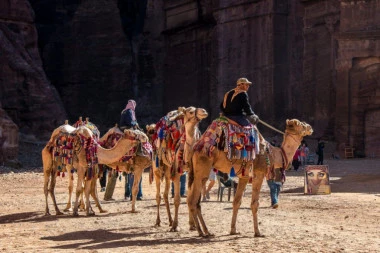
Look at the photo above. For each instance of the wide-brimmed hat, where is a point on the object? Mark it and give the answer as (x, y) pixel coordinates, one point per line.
(243, 80)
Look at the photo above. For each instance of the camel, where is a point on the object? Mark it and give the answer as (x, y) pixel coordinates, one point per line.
(175, 135)
(135, 161)
(216, 158)
(82, 140)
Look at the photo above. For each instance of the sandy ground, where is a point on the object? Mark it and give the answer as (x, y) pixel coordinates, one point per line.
(345, 221)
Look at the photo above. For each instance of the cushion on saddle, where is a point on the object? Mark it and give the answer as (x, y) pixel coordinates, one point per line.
(237, 141)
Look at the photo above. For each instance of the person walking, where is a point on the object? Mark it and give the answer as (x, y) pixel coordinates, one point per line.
(275, 179)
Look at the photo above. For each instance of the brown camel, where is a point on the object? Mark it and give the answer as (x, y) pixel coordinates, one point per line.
(175, 135)
(82, 137)
(134, 161)
(217, 158)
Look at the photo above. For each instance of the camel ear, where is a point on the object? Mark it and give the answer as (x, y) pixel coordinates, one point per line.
(181, 109)
(147, 127)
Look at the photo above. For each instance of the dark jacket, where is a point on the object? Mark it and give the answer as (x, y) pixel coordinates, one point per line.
(126, 119)
(238, 106)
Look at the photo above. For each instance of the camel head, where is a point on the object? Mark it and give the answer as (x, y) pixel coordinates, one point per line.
(173, 115)
(297, 127)
(150, 129)
(192, 114)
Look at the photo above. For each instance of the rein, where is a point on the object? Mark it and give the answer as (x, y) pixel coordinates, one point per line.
(269, 126)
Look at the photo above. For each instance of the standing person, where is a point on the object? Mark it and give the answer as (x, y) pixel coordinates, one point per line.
(129, 179)
(296, 159)
(320, 148)
(127, 121)
(275, 179)
(304, 154)
(103, 178)
(235, 105)
(182, 184)
(206, 191)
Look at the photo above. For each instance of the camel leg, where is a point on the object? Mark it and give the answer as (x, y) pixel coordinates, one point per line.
(177, 201)
(71, 187)
(47, 175)
(135, 188)
(78, 191)
(157, 178)
(47, 167)
(192, 203)
(94, 194)
(87, 191)
(52, 193)
(166, 193)
(237, 202)
(257, 182)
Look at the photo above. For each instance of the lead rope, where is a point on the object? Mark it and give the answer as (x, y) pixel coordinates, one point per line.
(269, 126)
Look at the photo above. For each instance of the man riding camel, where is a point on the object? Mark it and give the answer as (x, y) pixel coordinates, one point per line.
(235, 105)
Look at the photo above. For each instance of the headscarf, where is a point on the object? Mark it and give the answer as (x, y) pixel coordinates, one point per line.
(237, 91)
(131, 105)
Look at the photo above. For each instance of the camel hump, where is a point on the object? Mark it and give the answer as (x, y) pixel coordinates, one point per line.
(66, 129)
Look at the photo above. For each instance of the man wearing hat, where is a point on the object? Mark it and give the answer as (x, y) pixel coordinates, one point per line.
(235, 105)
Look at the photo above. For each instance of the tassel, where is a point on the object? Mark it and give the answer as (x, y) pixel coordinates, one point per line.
(63, 174)
(157, 162)
(244, 153)
(58, 173)
(251, 139)
(120, 178)
(232, 172)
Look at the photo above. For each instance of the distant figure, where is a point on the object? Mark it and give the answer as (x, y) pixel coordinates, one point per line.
(296, 159)
(182, 184)
(129, 179)
(275, 180)
(103, 177)
(304, 154)
(206, 191)
(320, 148)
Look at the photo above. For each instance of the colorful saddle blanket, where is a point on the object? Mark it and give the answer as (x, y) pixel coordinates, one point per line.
(167, 133)
(237, 141)
(145, 149)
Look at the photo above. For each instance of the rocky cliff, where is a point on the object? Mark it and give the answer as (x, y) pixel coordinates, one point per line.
(315, 60)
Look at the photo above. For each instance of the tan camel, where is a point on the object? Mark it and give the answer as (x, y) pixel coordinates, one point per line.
(179, 131)
(202, 164)
(139, 158)
(81, 136)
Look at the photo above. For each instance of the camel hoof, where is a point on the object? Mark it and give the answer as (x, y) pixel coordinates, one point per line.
(59, 213)
(134, 211)
(192, 228)
(47, 214)
(157, 225)
(75, 214)
(208, 235)
(176, 229)
(259, 235)
(233, 232)
(68, 209)
(103, 211)
(90, 214)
